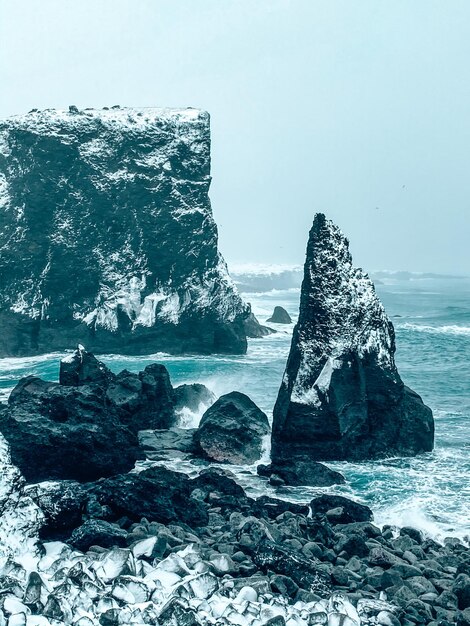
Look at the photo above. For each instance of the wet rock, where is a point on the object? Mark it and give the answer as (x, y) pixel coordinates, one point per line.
(306, 573)
(156, 493)
(63, 505)
(193, 396)
(232, 430)
(254, 329)
(144, 400)
(280, 316)
(351, 511)
(82, 367)
(461, 588)
(302, 473)
(97, 533)
(63, 432)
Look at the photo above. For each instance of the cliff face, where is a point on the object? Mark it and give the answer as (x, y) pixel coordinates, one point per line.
(341, 396)
(107, 235)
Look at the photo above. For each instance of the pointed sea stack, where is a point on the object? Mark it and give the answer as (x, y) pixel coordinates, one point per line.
(341, 397)
(107, 236)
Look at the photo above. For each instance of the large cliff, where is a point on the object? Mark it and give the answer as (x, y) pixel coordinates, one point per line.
(107, 235)
(341, 396)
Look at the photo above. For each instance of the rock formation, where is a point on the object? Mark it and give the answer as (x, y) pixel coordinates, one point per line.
(254, 329)
(107, 235)
(341, 396)
(232, 430)
(280, 316)
(63, 432)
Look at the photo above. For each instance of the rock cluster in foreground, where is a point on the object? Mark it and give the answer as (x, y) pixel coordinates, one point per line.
(85, 427)
(107, 235)
(342, 397)
(235, 561)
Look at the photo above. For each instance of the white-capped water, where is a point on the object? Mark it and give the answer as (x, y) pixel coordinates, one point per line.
(431, 318)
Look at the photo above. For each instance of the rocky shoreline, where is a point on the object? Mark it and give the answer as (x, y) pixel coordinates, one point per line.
(206, 553)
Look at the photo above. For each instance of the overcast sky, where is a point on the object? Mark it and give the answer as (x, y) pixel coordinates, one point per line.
(359, 109)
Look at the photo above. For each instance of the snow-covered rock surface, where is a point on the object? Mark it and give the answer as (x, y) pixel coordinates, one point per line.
(123, 586)
(341, 395)
(107, 235)
(20, 518)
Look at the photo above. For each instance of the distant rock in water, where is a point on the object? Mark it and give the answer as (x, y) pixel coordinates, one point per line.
(254, 329)
(192, 396)
(107, 236)
(232, 430)
(280, 316)
(341, 396)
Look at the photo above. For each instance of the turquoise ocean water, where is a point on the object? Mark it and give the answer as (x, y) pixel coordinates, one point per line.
(432, 322)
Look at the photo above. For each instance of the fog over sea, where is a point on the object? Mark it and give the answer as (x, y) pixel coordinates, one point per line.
(431, 315)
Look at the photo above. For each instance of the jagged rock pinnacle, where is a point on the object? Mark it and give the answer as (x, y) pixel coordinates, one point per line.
(341, 396)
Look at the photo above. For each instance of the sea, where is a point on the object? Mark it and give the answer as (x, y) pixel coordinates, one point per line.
(432, 322)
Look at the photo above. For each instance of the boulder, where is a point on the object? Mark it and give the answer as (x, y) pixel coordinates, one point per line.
(254, 329)
(232, 430)
(63, 504)
(63, 432)
(341, 397)
(350, 511)
(306, 573)
(144, 400)
(158, 494)
(97, 533)
(280, 316)
(302, 473)
(192, 397)
(82, 367)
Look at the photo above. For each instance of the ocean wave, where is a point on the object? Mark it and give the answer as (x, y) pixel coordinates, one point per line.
(452, 329)
(271, 292)
(18, 363)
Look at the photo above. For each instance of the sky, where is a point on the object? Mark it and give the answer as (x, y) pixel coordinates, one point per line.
(358, 109)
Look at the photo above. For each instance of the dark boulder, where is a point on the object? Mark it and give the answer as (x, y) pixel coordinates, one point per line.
(302, 473)
(63, 432)
(144, 400)
(158, 494)
(192, 397)
(350, 511)
(280, 316)
(307, 573)
(82, 367)
(254, 329)
(63, 504)
(232, 430)
(341, 397)
(97, 533)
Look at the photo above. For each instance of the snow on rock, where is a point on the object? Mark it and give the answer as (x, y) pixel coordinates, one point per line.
(63, 586)
(341, 396)
(107, 234)
(20, 518)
